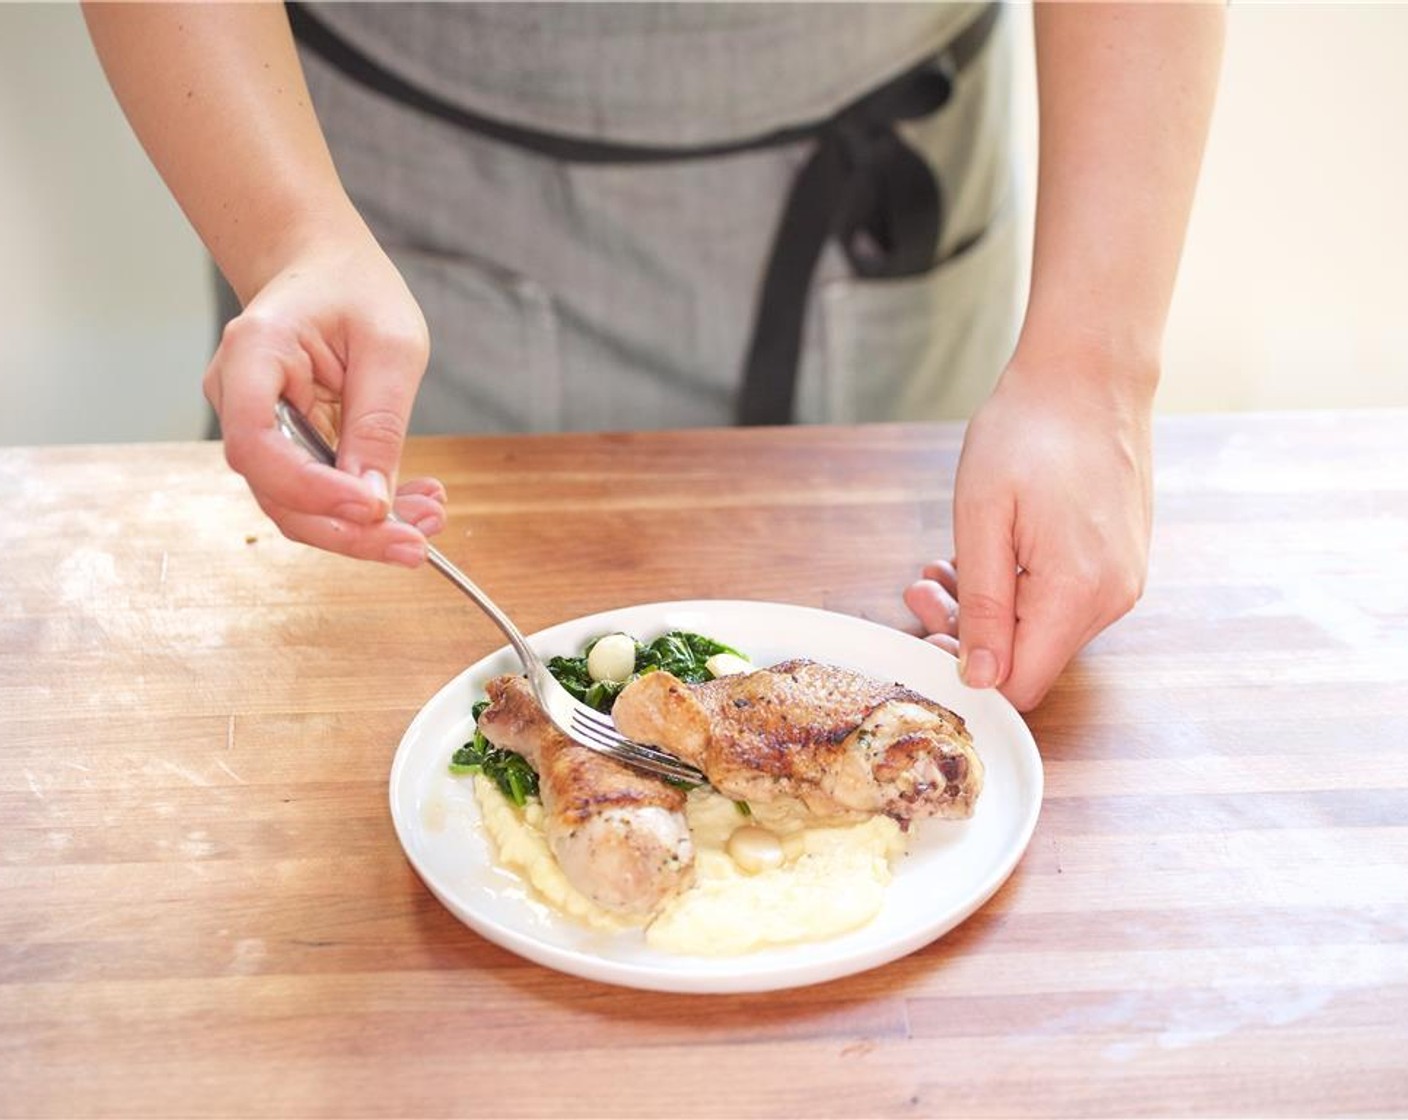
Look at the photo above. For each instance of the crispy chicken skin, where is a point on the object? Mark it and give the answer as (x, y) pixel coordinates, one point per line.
(837, 741)
(620, 836)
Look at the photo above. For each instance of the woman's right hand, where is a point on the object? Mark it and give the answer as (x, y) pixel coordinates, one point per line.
(217, 96)
(337, 332)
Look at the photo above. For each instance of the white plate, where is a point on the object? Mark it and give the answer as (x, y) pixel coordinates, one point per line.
(951, 868)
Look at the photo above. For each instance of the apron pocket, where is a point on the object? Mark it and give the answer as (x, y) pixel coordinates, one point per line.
(924, 347)
(494, 361)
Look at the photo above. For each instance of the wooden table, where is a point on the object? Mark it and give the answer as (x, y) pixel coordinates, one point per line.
(204, 910)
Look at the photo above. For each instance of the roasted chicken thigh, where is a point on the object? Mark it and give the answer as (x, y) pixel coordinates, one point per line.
(835, 740)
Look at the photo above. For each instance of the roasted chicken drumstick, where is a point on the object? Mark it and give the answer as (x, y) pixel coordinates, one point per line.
(620, 836)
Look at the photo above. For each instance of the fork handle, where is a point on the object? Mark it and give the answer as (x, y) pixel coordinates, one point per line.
(442, 564)
(296, 426)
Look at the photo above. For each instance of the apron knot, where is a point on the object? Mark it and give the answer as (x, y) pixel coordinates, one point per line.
(866, 187)
(891, 209)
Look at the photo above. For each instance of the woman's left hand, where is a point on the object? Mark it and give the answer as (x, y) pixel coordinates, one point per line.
(1052, 516)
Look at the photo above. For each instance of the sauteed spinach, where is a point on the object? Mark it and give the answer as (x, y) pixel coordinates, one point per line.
(507, 770)
(678, 652)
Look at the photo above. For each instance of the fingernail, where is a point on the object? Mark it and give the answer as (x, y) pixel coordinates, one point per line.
(408, 554)
(377, 481)
(978, 668)
(430, 524)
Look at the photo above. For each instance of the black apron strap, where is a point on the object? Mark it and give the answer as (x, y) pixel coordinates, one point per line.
(877, 196)
(871, 191)
(862, 184)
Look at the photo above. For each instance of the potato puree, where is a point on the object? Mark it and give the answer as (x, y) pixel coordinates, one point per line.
(523, 848)
(832, 877)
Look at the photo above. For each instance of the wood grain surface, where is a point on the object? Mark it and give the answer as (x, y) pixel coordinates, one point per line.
(204, 910)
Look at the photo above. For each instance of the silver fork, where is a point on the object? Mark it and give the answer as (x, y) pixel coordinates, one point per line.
(578, 721)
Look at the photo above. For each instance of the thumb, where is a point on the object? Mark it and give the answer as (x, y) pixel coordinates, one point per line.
(377, 395)
(987, 591)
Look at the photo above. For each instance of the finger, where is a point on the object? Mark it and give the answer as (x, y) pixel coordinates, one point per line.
(421, 502)
(422, 511)
(987, 615)
(428, 487)
(281, 473)
(258, 361)
(944, 574)
(945, 642)
(388, 541)
(383, 373)
(1056, 619)
(935, 608)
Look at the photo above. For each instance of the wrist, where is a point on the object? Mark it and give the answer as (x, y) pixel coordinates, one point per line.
(1102, 360)
(299, 231)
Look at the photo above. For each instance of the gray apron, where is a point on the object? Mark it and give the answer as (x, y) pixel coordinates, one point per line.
(569, 293)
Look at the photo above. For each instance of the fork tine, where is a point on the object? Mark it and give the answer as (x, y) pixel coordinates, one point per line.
(631, 753)
(598, 735)
(600, 722)
(637, 754)
(605, 732)
(677, 773)
(596, 731)
(585, 718)
(608, 736)
(589, 715)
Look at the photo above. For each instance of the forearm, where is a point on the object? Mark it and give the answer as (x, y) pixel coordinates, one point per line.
(216, 95)
(1126, 94)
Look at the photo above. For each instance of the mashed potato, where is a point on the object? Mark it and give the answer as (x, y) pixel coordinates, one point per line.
(831, 877)
(523, 848)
